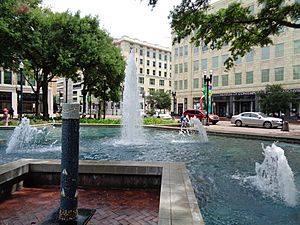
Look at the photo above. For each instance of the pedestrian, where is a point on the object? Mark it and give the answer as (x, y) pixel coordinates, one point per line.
(5, 116)
(11, 113)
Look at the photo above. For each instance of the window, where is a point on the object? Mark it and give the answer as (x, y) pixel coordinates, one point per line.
(238, 78)
(151, 90)
(215, 81)
(249, 77)
(225, 80)
(196, 49)
(250, 56)
(170, 83)
(166, 74)
(159, 56)
(224, 58)
(142, 90)
(141, 61)
(279, 50)
(186, 50)
(141, 52)
(152, 81)
(148, 62)
(180, 68)
(7, 77)
(161, 82)
(196, 83)
(148, 71)
(166, 57)
(215, 62)
(153, 55)
(297, 47)
(141, 80)
(180, 85)
(279, 74)
(265, 53)
(181, 51)
(176, 52)
(19, 80)
(296, 72)
(196, 65)
(204, 48)
(159, 64)
(176, 85)
(265, 75)
(165, 65)
(185, 84)
(239, 60)
(185, 67)
(176, 68)
(153, 72)
(141, 70)
(159, 73)
(204, 64)
(148, 53)
(153, 63)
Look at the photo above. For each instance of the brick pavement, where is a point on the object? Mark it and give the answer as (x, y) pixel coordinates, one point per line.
(113, 207)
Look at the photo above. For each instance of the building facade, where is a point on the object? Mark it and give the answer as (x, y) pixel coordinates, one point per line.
(153, 64)
(10, 92)
(234, 90)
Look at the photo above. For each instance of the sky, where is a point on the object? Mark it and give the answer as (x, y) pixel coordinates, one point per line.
(133, 18)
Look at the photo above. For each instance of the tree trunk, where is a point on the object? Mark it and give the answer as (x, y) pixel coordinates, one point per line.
(45, 97)
(84, 93)
(104, 108)
(99, 109)
(37, 101)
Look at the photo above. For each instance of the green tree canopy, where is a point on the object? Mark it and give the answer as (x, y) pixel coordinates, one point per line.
(274, 99)
(159, 100)
(239, 26)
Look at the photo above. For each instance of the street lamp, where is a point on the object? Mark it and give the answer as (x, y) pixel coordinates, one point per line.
(207, 80)
(174, 101)
(21, 66)
(143, 96)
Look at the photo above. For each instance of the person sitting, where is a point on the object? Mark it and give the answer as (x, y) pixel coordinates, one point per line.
(184, 121)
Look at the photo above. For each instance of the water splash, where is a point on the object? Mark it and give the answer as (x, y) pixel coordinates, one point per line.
(28, 139)
(198, 132)
(200, 129)
(132, 131)
(274, 176)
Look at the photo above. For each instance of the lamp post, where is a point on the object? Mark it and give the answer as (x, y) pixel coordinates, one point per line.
(174, 101)
(207, 80)
(21, 66)
(143, 96)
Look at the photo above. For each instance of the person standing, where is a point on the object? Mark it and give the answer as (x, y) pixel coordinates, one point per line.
(11, 113)
(5, 116)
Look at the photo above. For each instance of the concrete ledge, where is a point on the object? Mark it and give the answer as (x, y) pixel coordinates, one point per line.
(178, 204)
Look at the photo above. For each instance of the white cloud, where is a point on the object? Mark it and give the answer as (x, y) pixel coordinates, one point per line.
(133, 18)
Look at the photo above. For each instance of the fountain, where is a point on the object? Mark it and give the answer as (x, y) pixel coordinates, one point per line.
(274, 175)
(132, 131)
(197, 132)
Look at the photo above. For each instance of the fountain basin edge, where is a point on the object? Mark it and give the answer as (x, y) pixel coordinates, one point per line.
(178, 204)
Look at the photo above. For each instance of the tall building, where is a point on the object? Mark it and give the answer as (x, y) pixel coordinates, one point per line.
(234, 91)
(10, 90)
(153, 64)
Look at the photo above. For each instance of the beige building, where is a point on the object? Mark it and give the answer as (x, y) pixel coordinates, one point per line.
(234, 90)
(153, 64)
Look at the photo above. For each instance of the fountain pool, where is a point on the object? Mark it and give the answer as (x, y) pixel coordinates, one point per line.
(218, 169)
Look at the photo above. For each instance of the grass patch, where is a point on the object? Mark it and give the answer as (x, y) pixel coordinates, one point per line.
(151, 121)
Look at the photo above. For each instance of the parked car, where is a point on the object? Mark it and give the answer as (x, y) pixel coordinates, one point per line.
(257, 119)
(164, 116)
(201, 114)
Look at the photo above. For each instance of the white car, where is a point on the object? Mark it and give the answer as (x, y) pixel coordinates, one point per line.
(255, 119)
(164, 116)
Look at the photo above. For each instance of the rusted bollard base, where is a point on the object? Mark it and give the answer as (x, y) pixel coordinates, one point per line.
(84, 215)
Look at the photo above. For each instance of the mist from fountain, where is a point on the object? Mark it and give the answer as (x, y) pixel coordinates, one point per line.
(132, 131)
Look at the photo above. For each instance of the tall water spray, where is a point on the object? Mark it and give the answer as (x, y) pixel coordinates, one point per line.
(275, 177)
(200, 129)
(132, 131)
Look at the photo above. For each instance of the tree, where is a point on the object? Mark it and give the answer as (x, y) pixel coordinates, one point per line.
(159, 100)
(274, 99)
(235, 25)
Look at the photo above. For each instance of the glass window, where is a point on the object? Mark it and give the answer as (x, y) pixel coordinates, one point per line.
(180, 68)
(250, 56)
(215, 80)
(153, 55)
(148, 53)
(148, 62)
(176, 52)
(239, 60)
(148, 71)
(215, 62)
(176, 85)
(204, 64)
(297, 47)
(19, 80)
(141, 61)
(152, 81)
(265, 75)
(225, 80)
(196, 65)
(159, 64)
(279, 50)
(7, 77)
(204, 48)
(170, 83)
(153, 63)
(153, 72)
(165, 74)
(265, 53)
(141, 52)
(165, 65)
(141, 80)
(238, 78)
(176, 68)
(166, 57)
(186, 50)
(296, 72)
(180, 85)
(185, 82)
(181, 51)
(159, 73)
(185, 67)
(249, 77)
(196, 49)
(279, 74)
(161, 82)
(159, 56)
(224, 58)
(196, 83)
(141, 70)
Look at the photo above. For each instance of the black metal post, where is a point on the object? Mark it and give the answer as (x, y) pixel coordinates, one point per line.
(66, 101)
(174, 102)
(21, 94)
(207, 80)
(69, 162)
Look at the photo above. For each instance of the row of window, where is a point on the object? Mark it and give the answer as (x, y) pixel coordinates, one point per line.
(160, 55)
(152, 81)
(239, 78)
(6, 77)
(154, 64)
(154, 72)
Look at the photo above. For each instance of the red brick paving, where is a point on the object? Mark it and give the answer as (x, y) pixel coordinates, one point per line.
(113, 207)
